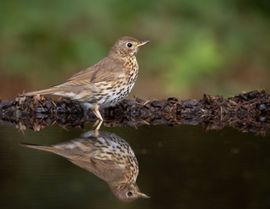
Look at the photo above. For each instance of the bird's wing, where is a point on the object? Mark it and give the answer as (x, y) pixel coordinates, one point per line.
(70, 88)
(107, 69)
(111, 170)
(108, 171)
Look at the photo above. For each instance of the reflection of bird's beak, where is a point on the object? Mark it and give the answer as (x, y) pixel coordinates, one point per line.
(142, 195)
(143, 43)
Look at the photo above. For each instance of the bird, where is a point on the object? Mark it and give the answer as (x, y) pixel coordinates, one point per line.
(107, 156)
(105, 83)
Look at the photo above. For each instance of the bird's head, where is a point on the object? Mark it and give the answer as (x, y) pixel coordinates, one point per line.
(127, 46)
(128, 193)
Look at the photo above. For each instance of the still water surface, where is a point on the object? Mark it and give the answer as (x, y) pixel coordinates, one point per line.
(180, 167)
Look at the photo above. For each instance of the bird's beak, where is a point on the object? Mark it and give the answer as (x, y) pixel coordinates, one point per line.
(142, 195)
(143, 43)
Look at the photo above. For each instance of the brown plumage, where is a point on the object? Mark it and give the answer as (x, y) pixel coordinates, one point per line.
(105, 83)
(107, 156)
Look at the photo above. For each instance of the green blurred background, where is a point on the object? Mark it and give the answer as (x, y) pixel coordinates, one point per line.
(197, 46)
(209, 46)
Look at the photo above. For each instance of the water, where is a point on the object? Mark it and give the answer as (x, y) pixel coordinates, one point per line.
(180, 167)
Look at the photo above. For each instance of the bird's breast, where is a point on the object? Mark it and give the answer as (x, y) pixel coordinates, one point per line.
(132, 68)
(120, 88)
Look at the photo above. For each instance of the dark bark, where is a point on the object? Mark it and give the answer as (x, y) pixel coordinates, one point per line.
(248, 112)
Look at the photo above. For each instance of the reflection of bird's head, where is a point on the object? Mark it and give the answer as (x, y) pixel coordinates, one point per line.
(128, 193)
(127, 46)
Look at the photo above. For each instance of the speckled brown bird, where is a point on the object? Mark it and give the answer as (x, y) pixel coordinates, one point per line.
(105, 83)
(107, 156)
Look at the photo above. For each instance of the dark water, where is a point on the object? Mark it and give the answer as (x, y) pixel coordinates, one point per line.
(180, 167)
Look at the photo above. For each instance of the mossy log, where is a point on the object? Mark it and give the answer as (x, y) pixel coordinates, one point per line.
(248, 112)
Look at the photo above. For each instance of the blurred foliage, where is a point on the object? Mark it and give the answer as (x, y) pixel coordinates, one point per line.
(193, 42)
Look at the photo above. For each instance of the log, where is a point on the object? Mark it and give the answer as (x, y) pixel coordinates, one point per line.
(247, 112)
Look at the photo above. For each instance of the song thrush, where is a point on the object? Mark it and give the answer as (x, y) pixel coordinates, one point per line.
(107, 156)
(105, 83)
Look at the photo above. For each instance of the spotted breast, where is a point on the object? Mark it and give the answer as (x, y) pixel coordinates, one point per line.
(121, 87)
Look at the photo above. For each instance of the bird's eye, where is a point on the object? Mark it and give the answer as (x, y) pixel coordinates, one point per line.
(129, 194)
(129, 45)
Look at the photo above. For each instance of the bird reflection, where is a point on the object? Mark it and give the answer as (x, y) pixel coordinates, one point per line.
(107, 156)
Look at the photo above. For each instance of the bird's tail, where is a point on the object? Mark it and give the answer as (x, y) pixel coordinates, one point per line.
(51, 90)
(52, 149)
(39, 147)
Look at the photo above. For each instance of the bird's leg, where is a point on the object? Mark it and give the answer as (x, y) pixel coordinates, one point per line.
(97, 126)
(97, 112)
(96, 132)
(95, 109)
(99, 122)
